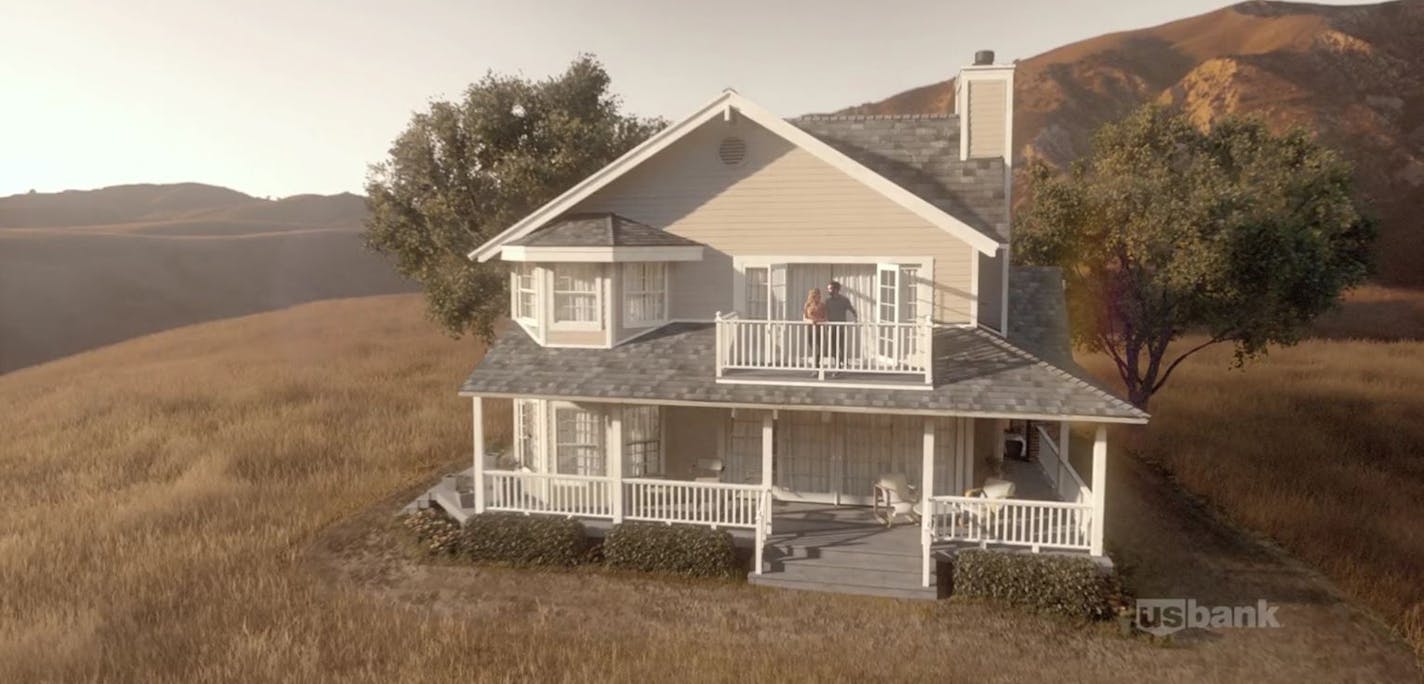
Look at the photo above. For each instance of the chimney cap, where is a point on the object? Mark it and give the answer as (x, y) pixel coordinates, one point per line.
(983, 57)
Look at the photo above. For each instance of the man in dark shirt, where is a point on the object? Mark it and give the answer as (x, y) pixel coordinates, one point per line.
(837, 308)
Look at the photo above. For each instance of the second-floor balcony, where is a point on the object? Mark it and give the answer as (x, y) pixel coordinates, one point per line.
(875, 352)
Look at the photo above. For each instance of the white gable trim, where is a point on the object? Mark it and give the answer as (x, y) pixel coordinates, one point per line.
(723, 105)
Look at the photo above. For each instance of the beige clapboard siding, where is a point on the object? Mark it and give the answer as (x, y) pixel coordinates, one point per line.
(780, 201)
(987, 108)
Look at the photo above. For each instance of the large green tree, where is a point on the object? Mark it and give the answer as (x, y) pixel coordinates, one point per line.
(1166, 228)
(463, 171)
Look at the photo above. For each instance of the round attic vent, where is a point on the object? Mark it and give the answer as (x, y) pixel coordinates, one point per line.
(732, 151)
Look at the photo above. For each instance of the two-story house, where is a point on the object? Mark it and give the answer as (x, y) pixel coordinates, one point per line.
(662, 367)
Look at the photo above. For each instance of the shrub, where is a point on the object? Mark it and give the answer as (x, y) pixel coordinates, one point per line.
(524, 539)
(1073, 586)
(437, 533)
(680, 549)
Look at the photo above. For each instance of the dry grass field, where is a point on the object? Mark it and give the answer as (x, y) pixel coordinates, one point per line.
(213, 504)
(1320, 447)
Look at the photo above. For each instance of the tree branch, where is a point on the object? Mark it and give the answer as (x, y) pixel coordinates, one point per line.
(1168, 373)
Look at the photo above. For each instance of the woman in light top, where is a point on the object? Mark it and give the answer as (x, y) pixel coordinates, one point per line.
(814, 311)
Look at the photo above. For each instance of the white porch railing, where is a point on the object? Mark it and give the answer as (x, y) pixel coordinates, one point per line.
(1012, 522)
(713, 504)
(521, 492)
(1059, 471)
(903, 348)
(702, 503)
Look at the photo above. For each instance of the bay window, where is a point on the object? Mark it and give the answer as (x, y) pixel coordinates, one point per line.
(525, 294)
(576, 301)
(644, 294)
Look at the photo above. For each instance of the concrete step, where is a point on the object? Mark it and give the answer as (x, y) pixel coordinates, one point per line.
(782, 581)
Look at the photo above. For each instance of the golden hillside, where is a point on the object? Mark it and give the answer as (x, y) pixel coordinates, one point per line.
(1354, 74)
(81, 269)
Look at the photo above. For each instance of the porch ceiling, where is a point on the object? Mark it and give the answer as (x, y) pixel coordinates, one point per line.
(977, 373)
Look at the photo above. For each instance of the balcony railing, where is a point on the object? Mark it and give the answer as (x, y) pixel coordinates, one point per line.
(823, 348)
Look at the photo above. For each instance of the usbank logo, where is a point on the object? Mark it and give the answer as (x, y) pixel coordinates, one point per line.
(1163, 616)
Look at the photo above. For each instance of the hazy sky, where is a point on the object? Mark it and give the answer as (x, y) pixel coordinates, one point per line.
(292, 96)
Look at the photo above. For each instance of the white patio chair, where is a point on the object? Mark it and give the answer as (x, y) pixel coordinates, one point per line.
(993, 489)
(894, 496)
(708, 470)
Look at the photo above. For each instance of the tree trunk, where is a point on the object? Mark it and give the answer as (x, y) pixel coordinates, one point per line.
(1139, 395)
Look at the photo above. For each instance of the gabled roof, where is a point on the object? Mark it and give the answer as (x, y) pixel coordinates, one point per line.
(603, 229)
(920, 152)
(730, 104)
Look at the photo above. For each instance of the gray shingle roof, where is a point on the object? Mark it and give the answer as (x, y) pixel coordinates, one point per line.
(1038, 319)
(604, 229)
(920, 152)
(977, 373)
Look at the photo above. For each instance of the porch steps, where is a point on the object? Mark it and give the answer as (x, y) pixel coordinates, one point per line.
(813, 564)
(446, 496)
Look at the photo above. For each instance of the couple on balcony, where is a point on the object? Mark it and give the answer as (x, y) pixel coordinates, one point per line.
(835, 308)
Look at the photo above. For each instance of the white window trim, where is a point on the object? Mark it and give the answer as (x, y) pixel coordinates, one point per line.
(553, 435)
(598, 301)
(514, 291)
(660, 454)
(740, 290)
(628, 321)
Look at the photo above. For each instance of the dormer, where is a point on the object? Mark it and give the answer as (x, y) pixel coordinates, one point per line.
(593, 279)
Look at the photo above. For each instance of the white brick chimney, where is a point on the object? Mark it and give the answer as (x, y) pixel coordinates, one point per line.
(984, 101)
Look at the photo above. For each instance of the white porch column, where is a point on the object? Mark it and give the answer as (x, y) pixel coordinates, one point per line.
(614, 462)
(477, 405)
(1100, 484)
(768, 433)
(927, 476)
(768, 422)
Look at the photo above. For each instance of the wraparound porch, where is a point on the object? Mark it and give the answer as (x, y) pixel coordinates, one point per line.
(791, 484)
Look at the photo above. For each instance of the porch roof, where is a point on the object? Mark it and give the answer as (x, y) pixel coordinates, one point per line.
(977, 373)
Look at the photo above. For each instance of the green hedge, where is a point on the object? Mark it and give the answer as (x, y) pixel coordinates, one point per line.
(680, 549)
(524, 539)
(437, 533)
(1073, 586)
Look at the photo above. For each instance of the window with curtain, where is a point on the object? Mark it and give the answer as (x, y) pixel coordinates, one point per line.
(644, 294)
(524, 292)
(758, 283)
(576, 293)
(909, 294)
(526, 436)
(642, 442)
(578, 441)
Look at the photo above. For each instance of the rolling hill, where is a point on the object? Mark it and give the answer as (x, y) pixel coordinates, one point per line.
(82, 269)
(1354, 74)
